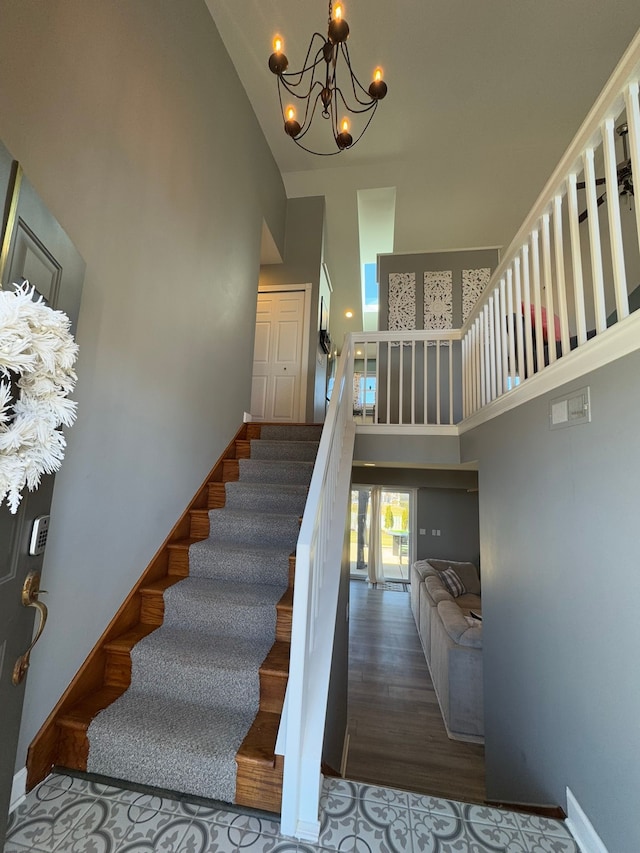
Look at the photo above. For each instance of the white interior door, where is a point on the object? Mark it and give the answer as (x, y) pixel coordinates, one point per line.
(276, 390)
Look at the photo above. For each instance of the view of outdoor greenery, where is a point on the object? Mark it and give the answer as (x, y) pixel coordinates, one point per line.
(394, 532)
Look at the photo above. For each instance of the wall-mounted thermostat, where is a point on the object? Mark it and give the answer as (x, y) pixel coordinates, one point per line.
(39, 534)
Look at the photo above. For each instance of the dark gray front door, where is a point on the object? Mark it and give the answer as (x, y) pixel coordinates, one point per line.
(40, 251)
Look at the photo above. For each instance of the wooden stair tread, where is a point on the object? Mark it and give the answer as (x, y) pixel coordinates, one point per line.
(158, 587)
(81, 714)
(277, 661)
(286, 602)
(259, 744)
(182, 544)
(126, 641)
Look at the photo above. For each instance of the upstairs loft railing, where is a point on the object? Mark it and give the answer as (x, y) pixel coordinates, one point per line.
(407, 379)
(573, 269)
(571, 273)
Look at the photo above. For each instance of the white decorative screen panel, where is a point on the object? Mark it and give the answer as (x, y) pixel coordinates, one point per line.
(402, 301)
(473, 283)
(438, 299)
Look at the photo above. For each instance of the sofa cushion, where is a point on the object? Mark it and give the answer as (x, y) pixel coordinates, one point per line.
(452, 582)
(457, 627)
(436, 588)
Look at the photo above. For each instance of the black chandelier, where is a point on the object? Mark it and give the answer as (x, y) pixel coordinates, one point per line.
(316, 84)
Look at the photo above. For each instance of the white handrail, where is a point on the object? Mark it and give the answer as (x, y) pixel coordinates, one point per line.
(315, 598)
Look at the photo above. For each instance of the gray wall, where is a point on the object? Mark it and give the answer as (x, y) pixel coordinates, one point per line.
(431, 261)
(302, 264)
(454, 512)
(560, 555)
(120, 114)
(447, 500)
(407, 449)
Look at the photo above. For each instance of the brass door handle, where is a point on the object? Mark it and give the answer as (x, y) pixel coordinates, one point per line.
(29, 598)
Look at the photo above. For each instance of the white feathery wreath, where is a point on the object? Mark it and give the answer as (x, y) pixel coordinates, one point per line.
(37, 352)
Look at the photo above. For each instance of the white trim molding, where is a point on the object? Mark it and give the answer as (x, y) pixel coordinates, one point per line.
(18, 789)
(580, 827)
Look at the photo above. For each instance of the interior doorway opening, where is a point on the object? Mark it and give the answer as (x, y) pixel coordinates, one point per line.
(381, 539)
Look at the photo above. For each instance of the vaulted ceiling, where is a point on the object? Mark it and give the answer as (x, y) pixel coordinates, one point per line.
(484, 96)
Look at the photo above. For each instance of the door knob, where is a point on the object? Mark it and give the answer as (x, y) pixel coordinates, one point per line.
(29, 598)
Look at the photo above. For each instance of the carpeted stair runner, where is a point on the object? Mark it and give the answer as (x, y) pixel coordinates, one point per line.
(194, 681)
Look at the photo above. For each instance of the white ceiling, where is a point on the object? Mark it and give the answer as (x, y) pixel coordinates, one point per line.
(484, 96)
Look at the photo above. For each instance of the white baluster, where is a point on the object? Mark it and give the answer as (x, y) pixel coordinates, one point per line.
(492, 348)
(511, 329)
(576, 258)
(518, 319)
(425, 350)
(537, 298)
(504, 336)
(594, 240)
(400, 379)
(496, 329)
(633, 121)
(615, 227)
(438, 383)
(413, 381)
(526, 311)
(558, 245)
(548, 287)
(463, 351)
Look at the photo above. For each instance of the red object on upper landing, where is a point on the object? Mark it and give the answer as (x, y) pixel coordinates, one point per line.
(556, 321)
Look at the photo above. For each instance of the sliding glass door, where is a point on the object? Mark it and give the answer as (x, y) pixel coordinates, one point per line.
(381, 536)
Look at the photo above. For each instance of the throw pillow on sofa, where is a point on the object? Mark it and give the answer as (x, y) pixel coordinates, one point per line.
(452, 582)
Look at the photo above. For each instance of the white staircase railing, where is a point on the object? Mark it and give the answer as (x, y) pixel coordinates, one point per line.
(315, 599)
(562, 282)
(407, 379)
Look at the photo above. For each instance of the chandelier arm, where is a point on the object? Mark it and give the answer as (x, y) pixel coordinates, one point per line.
(307, 98)
(291, 89)
(306, 126)
(354, 79)
(365, 107)
(306, 68)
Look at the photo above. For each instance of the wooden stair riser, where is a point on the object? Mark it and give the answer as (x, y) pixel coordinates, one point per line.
(179, 559)
(199, 524)
(230, 470)
(260, 770)
(253, 432)
(284, 617)
(117, 669)
(217, 495)
(73, 746)
(243, 449)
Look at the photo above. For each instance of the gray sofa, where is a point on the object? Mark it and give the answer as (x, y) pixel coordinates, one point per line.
(452, 643)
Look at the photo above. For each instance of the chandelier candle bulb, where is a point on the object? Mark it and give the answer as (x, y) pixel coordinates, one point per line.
(344, 138)
(338, 28)
(291, 126)
(378, 88)
(278, 62)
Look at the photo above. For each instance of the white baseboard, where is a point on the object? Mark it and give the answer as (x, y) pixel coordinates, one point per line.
(18, 789)
(580, 827)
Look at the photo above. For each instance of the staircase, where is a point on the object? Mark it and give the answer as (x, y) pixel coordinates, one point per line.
(190, 695)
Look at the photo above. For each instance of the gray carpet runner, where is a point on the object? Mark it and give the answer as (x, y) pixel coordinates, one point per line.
(194, 681)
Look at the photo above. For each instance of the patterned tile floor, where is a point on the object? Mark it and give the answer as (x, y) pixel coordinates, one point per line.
(71, 815)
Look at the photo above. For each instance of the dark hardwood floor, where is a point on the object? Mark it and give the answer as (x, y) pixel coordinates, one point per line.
(397, 737)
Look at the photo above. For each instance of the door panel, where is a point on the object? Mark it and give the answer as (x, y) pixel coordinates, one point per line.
(284, 398)
(277, 364)
(40, 251)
